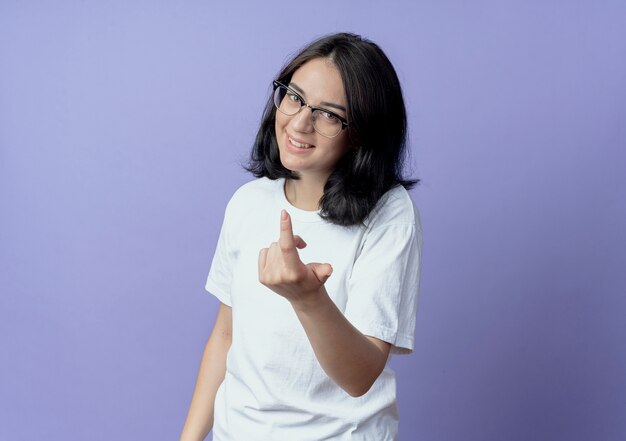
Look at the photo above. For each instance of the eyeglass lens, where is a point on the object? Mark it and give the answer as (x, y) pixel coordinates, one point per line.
(289, 103)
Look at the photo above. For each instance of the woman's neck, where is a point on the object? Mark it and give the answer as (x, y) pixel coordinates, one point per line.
(304, 193)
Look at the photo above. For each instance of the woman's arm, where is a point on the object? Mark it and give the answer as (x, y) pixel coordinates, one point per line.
(212, 370)
(351, 359)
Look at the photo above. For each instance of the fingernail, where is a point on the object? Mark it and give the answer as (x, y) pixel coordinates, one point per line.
(283, 215)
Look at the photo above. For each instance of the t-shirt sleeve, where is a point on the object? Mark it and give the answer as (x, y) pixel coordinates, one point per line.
(384, 284)
(220, 275)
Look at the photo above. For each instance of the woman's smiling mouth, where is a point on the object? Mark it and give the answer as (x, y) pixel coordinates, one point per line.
(297, 144)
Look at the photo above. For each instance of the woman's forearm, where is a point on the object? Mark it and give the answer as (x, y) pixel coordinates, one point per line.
(199, 419)
(351, 359)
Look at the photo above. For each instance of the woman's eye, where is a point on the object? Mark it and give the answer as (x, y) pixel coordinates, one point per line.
(330, 117)
(293, 97)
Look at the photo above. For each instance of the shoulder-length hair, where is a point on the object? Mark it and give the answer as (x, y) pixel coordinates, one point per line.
(378, 129)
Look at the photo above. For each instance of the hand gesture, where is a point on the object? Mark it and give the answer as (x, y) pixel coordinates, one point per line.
(282, 271)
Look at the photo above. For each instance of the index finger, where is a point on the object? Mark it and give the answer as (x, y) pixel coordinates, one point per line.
(286, 241)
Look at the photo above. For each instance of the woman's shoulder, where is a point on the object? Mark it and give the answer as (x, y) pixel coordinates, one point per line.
(257, 187)
(395, 207)
(255, 192)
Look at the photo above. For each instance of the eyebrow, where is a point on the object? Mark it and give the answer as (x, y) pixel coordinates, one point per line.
(322, 103)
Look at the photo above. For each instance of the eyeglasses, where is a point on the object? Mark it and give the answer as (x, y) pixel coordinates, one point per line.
(325, 122)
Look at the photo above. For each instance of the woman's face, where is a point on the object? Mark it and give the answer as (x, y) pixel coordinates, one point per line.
(318, 81)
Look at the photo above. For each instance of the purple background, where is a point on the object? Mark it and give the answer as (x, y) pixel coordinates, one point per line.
(122, 127)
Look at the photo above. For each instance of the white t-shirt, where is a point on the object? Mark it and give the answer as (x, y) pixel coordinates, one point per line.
(274, 388)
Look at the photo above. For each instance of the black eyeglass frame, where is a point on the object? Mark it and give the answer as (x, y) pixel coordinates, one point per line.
(344, 122)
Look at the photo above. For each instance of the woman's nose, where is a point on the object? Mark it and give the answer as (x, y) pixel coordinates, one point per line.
(303, 120)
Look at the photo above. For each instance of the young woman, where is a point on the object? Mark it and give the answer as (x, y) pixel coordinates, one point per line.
(318, 261)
